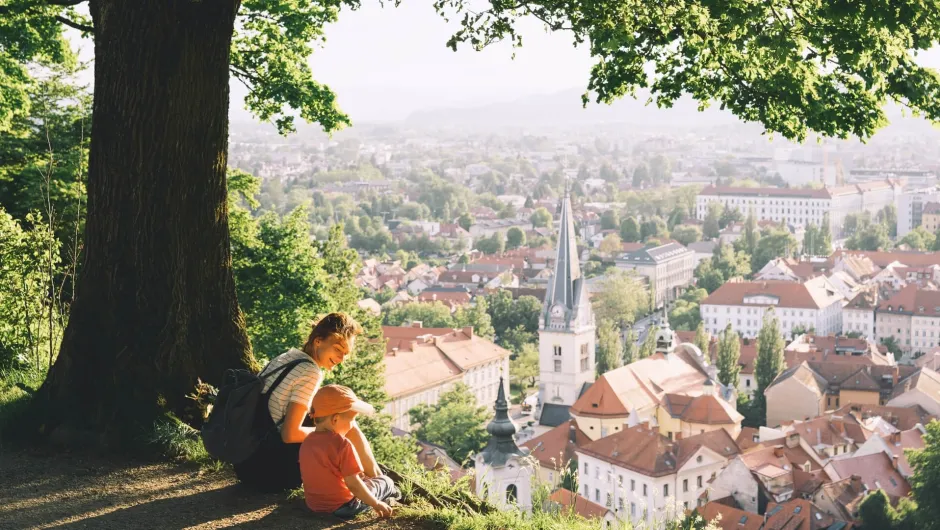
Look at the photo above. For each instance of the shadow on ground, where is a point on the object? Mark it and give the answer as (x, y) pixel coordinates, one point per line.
(61, 490)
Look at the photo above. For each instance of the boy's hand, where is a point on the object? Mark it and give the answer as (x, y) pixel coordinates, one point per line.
(384, 510)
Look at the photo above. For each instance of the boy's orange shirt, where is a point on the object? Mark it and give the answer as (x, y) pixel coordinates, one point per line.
(325, 458)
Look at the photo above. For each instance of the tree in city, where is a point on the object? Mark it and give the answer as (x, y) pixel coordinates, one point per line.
(751, 233)
(676, 217)
(919, 239)
(893, 347)
(477, 317)
(524, 368)
(630, 230)
(611, 245)
(773, 243)
(641, 175)
(541, 218)
(888, 216)
(494, 244)
(465, 221)
(711, 228)
(619, 299)
(824, 248)
(729, 216)
(515, 238)
(630, 350)
(729, 353)
(648, 347)
(431, 315)
(610, 220)
(707, 277)
(687, 234)
(507, 313)
(810, 240)
(155, 306)
(654, 228)
(769, 362)
(455, 422)
(609, 347)
(702, 339)
(925, 481)
(685, 314)
(872, 236)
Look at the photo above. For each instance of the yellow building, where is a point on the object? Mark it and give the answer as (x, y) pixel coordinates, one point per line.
(931, 217)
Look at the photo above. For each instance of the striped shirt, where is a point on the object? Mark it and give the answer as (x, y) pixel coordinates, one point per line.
(298, 386)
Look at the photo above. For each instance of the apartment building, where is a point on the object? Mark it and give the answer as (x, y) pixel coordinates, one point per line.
(421, 363)
(911, 317)
(815, 304)
(668, 267)
(801, 207)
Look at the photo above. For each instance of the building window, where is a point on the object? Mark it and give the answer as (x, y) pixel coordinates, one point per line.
(512, 493)
(585, 361)
(633, 509)
(597, 495)
(632, 485)
(665, 490)
(608, 501)
(685, 485)
(698, 481)
(586, 472)
(557, 365)
(557, 349)
(644, 490)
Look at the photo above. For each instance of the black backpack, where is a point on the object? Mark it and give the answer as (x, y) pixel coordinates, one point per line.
(240, 421)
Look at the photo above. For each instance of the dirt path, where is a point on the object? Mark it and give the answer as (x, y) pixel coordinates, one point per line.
(46, 490)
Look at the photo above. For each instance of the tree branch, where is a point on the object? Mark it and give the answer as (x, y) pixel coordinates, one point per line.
(65, 2)
(76, 25)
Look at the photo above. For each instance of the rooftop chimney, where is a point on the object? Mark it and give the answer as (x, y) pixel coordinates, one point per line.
(894, 462)
(856, 482)
(894, 376)
(778, 451)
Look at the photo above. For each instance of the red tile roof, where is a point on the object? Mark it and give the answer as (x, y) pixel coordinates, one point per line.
(571, 501)
(913, 301)
(767, 192)
(707, 410)
(876, 471)
(645, 451)
(730, 518)
(902, 418)
(789, 294)
(796, 514)
(882, 259)
(554, 448)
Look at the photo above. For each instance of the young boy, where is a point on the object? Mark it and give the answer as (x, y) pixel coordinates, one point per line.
(329, 464)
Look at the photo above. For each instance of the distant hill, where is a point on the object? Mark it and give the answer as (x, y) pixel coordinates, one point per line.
(564, 108)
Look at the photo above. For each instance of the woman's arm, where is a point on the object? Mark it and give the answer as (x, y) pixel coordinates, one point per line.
(292, 430)
(364, 450)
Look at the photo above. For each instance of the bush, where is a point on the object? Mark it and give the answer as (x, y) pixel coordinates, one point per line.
(175, 439)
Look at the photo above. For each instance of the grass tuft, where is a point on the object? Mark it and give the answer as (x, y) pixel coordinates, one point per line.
(175, 439)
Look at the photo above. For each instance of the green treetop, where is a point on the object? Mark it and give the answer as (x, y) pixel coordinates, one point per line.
(769, 362)
(729, 353)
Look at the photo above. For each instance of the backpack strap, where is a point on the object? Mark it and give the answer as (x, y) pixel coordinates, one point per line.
(284, 369)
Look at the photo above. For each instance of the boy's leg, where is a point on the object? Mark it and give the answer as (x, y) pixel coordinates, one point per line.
(364, 450)
(351, 509)
(382, 488)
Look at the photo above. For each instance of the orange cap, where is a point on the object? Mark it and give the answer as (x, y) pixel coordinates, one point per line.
(336, 399)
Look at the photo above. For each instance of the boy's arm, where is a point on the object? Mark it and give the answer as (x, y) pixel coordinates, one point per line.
(359, 489)
(364, 450)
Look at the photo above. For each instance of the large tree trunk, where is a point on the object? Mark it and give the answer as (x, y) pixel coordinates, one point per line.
(155, 306)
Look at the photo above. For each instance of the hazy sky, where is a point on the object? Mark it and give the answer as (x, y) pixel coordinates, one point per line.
(384, 63)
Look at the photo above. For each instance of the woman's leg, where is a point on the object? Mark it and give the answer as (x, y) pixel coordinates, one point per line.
(364, 449)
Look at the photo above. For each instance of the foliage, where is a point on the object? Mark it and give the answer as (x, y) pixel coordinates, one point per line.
(524, 369)
(729, 353)
(630, 350)
(654, 228)
(630, 230)
(475, 316)
(515, 238)
(751, 234)
(516, 319)
(175, 439)
(919, 239)
(687, 234)
(725, 263)
(888, 217)
(685, 314)
(702, 339)
(870, 237)
(609, 347)
(773, 243)
(925, 482)
(465, 221)
(750, 409)
(610, 220)
(875, 512)
(541, 218)
(648, 347)
(892, 344)
(711, 228)
(769, 362)
(31, 317)
(455, 423)
(610, 245)
(493, 244)
(620, 299)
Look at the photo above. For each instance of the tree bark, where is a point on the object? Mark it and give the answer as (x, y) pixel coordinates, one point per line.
(155, 305)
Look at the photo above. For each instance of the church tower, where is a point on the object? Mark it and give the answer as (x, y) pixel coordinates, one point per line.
(566, 330)
(503, 470)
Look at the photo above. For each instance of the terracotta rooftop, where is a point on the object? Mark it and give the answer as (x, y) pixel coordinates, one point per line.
(779, 454)
(748, 438)
(902, 418)
(707, 410)
(876, 471)
(731, 518)
(846, 494)
(883, 259)
(833, 349)
(796, 514)
(788, 294)
(913, 301)
(640, 385)
(924, 379)
(899, 442)
(645, 451)
(748, 350)
(418, 358)
(829, 430)
(572, 501)
(555, 448)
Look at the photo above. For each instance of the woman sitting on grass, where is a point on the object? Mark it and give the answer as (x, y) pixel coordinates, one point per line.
(274, 466)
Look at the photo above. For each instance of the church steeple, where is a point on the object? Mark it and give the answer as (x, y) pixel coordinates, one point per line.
(567, 266)
(502, 444)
